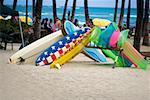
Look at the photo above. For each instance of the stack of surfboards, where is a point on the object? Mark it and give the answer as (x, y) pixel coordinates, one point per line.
(31, 53)
(61, 47)
(56, 49)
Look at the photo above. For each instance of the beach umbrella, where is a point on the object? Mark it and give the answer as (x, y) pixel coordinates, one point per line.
(23, 19)
(101, 22)
(1, 17)
(5, 18)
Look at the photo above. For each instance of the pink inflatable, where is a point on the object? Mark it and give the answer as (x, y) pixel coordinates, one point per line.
(114, 38)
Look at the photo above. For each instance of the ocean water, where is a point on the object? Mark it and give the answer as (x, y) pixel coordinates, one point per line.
(94, 12)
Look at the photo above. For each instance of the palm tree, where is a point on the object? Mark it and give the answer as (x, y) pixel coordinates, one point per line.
(2, 2)
(64, 14)
(116, 7)
(146, 40)
(14, 4)
(86, 12)
(128, 14)
(37, 23)
(73, 10)
(139, 22)
(121, 14)
(33, 10)
(26, 11)
(54, 11)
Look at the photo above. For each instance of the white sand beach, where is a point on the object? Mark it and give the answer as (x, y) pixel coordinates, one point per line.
(80, 79)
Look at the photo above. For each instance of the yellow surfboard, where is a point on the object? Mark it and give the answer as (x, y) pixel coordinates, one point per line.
(72, 53)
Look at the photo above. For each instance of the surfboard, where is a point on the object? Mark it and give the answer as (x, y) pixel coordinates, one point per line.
(29, 53)
(59, 48)
(96, 54)
(69, 27)
(73, 52)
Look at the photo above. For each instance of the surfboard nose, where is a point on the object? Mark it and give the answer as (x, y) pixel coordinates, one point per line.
(9, 60)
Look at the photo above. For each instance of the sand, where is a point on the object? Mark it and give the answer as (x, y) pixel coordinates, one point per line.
(80, 79)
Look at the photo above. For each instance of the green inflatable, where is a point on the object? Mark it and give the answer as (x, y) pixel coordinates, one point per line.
(123, 37)
(113, 54)
(95, 34)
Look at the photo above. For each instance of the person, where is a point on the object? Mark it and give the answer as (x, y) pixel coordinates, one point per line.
(76, 22)
(15, 19)
(42, 23)
(124, 26)
(46, 23)
(69, 18)
(28, 34)
(58, 24)
(64, 19)
(46, 26)
(52, 25)
(91, 23)
(84, 25)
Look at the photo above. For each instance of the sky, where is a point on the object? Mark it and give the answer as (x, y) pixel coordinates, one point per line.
(91, 3)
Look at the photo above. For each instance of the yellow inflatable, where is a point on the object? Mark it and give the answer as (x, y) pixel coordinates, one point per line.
(101, 22)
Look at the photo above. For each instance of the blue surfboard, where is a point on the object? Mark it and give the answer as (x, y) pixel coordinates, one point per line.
(96, 54)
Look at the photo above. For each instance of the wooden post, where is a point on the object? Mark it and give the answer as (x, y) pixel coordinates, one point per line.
(26, 11)
(116, 8)
(73, 10)
(139, 21)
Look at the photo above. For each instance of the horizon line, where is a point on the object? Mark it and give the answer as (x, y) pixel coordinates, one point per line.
(71, 6)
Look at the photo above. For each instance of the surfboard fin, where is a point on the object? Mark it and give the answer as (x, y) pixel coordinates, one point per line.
(57, 66)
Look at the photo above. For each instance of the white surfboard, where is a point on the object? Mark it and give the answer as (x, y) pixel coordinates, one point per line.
(29, 53)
